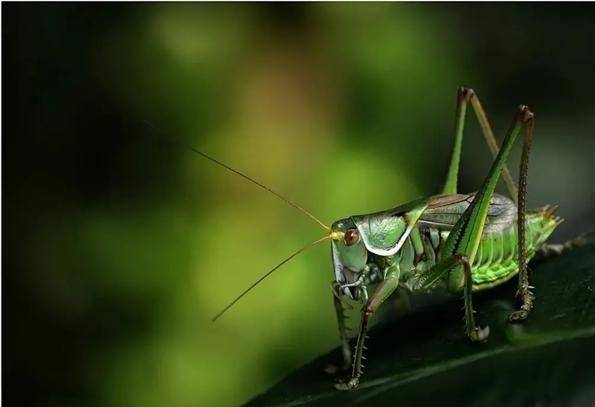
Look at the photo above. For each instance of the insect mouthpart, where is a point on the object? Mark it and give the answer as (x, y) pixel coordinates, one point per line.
(350, 283)
(353, 292)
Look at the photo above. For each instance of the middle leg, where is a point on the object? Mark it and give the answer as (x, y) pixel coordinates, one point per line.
(472, 329)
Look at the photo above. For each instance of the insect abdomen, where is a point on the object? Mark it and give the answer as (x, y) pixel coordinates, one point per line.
(496, 260)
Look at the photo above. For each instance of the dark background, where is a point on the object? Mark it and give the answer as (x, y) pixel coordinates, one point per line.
(119, 245)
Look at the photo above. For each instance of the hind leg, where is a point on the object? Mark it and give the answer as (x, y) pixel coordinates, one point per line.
(466, 96)
(524, 295)
(464, 238)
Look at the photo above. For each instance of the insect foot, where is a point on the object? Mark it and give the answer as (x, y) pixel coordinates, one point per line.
(350, 384)
(526, 297)
(518, 316)
(479, 334)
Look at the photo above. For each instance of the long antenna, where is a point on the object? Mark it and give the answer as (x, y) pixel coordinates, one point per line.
(268, 273)
(227, 167)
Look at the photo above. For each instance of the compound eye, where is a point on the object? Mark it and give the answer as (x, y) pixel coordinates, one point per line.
(351, 237)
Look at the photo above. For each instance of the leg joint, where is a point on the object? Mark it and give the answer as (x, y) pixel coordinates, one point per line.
(460, 259)
(465, 93)
(525, 115)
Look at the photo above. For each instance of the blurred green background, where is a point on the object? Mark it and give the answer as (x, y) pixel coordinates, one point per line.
(119, 246)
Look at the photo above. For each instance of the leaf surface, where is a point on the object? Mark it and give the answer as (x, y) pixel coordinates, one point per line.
(424, 358)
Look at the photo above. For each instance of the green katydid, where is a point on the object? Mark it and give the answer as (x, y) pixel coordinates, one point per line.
(458, 243)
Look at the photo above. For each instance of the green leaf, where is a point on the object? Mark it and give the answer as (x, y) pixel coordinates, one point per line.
(424, 358)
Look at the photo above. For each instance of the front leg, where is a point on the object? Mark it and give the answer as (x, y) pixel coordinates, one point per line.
(382, 292)
(341, 319)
